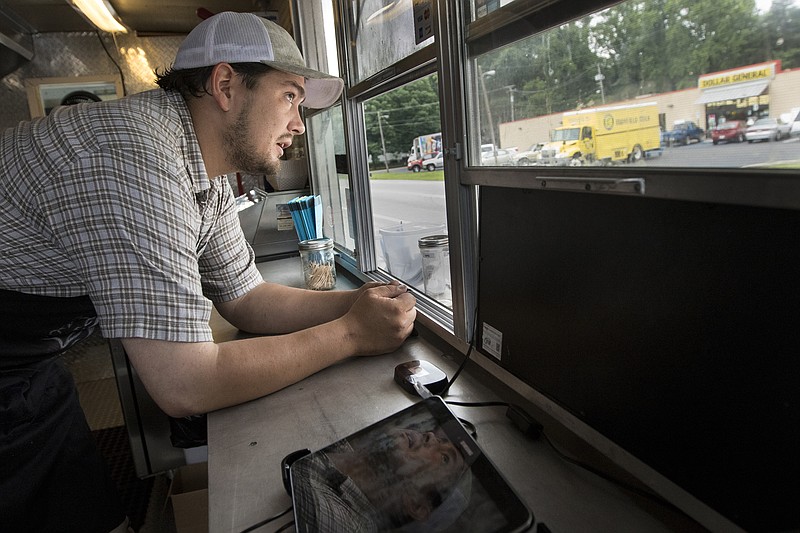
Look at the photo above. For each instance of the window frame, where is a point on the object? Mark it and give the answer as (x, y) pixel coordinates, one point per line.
(457, 41)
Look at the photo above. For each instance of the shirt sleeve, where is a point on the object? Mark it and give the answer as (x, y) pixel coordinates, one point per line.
(227, 262)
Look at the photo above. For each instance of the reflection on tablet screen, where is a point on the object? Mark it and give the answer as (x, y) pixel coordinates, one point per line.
(417, 470)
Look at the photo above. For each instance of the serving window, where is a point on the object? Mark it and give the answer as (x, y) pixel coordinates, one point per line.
(631, 97)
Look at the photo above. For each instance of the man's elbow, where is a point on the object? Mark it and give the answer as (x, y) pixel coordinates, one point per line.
(173, 374)
(179, 404)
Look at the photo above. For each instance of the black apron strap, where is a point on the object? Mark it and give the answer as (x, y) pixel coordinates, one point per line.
(34, 328)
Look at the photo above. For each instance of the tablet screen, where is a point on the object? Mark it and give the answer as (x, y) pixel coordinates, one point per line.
(415, 471)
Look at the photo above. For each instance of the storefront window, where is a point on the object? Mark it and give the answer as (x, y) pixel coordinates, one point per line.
(698, 84)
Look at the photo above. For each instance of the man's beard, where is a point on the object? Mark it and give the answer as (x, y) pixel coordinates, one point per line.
(242, 153)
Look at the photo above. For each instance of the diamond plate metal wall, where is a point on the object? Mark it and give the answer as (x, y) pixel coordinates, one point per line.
(58, 55)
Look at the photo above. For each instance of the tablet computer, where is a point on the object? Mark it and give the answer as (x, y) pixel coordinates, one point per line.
(417, 470)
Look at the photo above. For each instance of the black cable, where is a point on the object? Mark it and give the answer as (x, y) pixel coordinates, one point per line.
(466, 356)
(284, 527)
(267, 521)
(469, 426)
(479, 404)
(121, 74)
(636, 490)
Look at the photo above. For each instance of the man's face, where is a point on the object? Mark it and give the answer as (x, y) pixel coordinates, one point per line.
(407, 472)
(427, 457)
(265, 123)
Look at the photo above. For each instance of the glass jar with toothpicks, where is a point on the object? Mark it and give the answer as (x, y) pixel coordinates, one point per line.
(319, 266)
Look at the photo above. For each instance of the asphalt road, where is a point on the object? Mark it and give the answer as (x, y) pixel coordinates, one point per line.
(732, 155)
(414, 203)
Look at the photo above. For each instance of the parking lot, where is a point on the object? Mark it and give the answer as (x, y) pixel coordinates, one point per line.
(731, 155)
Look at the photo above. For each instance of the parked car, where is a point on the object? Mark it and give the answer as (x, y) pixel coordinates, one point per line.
(767, 129)
(793, 119)
(529, 156)
(485, 148)
(784, 128)
(414, 165)
(730, 131)
(501, 156)
(682, 133)
(433, 161)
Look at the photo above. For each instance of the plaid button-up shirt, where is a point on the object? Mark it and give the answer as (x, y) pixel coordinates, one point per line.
(111, 200)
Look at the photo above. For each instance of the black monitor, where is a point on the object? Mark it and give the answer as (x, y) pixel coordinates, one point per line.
(670, 328)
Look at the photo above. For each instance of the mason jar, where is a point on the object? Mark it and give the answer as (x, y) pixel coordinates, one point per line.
(435, 252)
(319, 267)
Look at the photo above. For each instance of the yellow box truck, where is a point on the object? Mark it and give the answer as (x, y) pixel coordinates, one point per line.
(604, 135)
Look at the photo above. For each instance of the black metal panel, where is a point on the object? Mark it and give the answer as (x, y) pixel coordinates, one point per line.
(671, 327)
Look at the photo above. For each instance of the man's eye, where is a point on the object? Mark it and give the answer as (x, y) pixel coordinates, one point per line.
(445, 459)
(290, 97)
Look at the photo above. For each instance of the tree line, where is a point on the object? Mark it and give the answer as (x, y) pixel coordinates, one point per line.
(631, 49)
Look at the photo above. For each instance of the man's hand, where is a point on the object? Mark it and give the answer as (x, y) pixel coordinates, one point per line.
(381, 318)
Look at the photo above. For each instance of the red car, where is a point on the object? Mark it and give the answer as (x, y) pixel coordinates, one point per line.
(414, 165)
(730, 131)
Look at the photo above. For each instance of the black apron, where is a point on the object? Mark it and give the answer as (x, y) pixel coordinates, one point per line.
(52, 478)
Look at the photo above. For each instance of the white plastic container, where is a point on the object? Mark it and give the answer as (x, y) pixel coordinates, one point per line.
(401, 249)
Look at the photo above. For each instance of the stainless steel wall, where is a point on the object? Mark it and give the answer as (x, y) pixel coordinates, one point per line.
(86, 54)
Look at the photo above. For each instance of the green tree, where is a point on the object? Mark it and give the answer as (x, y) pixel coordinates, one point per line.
(406, 112)
(547, 73)
(664, 45)
(781, 30)
(639, 47)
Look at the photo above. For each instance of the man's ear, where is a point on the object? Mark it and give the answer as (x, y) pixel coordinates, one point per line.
(416, 506)
(221, 85)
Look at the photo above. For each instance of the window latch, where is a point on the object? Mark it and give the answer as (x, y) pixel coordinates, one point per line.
(455, 150)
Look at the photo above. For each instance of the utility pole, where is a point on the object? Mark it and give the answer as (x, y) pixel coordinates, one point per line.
(383, 144)
(481, 76)
(511, 89)
(599, 79)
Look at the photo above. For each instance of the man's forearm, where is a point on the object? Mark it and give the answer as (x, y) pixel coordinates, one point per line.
(188, 378)
(274, 309)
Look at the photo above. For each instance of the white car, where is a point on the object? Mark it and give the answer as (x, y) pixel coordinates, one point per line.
(529, 156)
(501, 156)
(767, 129)
(793, 118)
(434, 161)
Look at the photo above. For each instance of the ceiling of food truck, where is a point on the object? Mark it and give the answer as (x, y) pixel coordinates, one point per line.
(145, 17)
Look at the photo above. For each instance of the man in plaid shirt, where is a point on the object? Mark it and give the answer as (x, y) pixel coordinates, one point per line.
(118, 215)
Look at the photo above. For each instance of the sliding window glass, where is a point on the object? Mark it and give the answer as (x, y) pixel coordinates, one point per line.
(404, 143)
(385, 33)
(481, 8)
(706, 83)
(330, 170)
(395, 196)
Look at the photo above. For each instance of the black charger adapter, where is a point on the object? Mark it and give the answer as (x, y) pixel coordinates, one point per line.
(525, 423)
(424, 373)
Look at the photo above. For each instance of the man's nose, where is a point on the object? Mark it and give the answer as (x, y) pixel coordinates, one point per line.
(296, 125)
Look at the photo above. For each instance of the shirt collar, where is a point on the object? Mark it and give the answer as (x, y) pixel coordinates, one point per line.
(192, 156)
